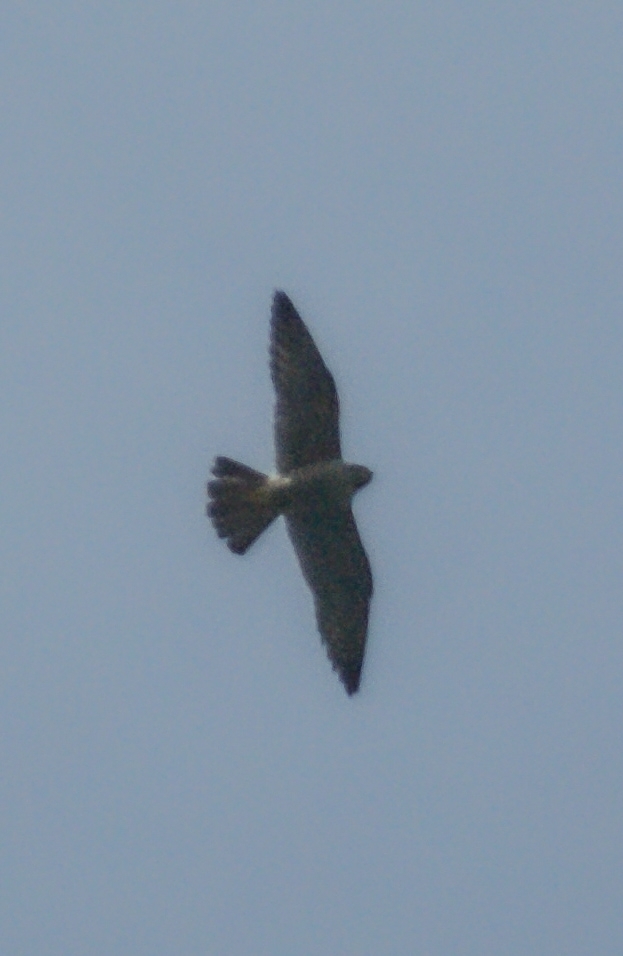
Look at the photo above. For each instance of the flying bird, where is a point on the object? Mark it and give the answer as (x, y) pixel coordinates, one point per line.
(312, 489)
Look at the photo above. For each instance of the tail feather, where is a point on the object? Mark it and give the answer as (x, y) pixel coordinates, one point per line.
(239, 506)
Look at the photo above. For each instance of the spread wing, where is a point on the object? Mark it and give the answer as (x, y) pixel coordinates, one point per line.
(307, 427)
(336, 567)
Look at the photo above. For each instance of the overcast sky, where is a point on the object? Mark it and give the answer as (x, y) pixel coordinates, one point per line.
(439, 188)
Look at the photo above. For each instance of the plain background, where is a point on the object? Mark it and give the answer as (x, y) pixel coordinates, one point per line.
(439, 187)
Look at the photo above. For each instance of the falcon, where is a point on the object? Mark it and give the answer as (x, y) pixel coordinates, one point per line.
(312, 489)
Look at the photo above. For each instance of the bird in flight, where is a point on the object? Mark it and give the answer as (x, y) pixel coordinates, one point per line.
(312, 489)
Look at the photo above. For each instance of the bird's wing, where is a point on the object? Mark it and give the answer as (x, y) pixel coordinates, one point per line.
(336, 568)
(307, 428)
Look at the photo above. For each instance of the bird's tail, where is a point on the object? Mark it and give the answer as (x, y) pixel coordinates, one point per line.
(240, 506)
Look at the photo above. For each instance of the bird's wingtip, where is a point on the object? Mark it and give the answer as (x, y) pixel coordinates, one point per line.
(351, 680)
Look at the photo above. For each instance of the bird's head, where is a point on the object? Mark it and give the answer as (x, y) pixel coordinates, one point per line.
(359, 476)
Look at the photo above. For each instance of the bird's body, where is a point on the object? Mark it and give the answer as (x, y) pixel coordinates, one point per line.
(313, 490)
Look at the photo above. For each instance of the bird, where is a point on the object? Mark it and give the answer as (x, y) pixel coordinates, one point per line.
(313, 489)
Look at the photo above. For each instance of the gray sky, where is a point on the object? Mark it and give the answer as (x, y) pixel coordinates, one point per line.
(438, 187)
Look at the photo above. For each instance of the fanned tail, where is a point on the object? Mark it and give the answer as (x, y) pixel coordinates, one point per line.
(240, 506)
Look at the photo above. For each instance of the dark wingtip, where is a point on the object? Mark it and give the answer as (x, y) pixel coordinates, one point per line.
(283, 309)
(351, 680)
(281, 298)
